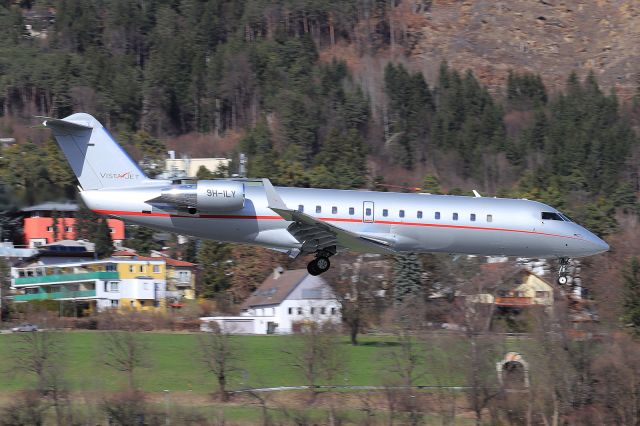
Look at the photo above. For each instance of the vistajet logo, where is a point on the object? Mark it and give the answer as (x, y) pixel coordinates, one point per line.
(119, 176)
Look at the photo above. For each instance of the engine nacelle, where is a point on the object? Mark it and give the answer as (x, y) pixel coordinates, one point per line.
(205, 196)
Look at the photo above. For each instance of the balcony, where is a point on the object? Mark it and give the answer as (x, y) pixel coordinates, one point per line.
(59, 278)
(514, 301)
(54, 296)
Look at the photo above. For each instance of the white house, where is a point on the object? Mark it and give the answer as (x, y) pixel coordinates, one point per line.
(284, 301)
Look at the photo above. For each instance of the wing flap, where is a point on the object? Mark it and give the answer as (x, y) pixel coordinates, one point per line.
(307, 227)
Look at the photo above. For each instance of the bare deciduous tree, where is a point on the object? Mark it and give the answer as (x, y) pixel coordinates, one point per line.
(356, 285)
(406, 369)
(126, 352)
(41, 355)
(316, 354)
(220, 356)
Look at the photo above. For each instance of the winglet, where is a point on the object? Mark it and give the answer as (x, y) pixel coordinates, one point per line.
(476, 194)
(274, 200)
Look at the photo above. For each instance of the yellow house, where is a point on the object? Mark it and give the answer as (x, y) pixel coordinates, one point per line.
(524, 289)
(178, 275)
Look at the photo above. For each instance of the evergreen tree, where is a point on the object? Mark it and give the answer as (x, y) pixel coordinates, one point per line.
(213, 258)
(103, 241)
(431, 184)
(55, 224)
(86, 222)
(5, 285)
(141, 240)
(10, 222)
(407, 278)
(631, 303)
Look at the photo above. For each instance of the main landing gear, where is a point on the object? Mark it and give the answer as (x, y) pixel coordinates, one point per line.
(321, 263)
(562, 272)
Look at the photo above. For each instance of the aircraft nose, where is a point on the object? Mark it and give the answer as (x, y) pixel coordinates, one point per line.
(598, 245)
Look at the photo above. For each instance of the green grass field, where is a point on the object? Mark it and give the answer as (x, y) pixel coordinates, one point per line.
(174, 363)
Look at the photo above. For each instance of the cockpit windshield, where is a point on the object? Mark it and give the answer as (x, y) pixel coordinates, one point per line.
(555, 216)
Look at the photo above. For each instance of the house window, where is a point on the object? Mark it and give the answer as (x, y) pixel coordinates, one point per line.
(313, 310)
(419, 214)
(323, 311)
(156, 268)
(67, 229)
(437, 215)
(301, 208)
(352, 211)
(385, 212)
(489, 218)
(473, 217)
(334, 210)
(401, 213)
(542, 294)
(114, 286)
(50, 228)
(133, 303)
(142, 303)
(131, 268)
(290, 311)
(455, 216)
(111, 230)
(111, 267)
(183, 276)
(115, 303)
(333, 311)
(141, 268)
(318, 209)
(299, 311)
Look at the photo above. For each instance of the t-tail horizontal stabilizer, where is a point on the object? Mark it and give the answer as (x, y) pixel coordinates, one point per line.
(95, 157)
(306, 227)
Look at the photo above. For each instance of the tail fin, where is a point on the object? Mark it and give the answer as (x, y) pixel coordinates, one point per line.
(95, 157)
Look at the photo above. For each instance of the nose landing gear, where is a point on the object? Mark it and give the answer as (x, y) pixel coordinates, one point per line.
(562, 271)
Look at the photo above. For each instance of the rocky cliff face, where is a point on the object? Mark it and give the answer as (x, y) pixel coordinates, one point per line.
(549, 37)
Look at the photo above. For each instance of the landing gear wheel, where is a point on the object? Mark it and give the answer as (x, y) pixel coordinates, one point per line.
(562, 271)
(318, 265)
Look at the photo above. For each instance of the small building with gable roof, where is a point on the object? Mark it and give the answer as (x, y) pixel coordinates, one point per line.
(285, 301)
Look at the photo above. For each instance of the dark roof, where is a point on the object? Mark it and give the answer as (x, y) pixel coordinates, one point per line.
(49, 206)
(274, 290)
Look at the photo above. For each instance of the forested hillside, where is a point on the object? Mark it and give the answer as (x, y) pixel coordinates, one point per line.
(295, 83)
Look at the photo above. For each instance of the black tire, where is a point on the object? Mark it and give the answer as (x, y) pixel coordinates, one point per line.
(312, 268)
(562, 280)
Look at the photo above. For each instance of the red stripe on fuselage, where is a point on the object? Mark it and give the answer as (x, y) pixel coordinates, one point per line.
(331, 219)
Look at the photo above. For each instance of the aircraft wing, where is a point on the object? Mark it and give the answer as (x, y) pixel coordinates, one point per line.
(318, 234)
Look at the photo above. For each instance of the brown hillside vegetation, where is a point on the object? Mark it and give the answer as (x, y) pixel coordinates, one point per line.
(548, 37)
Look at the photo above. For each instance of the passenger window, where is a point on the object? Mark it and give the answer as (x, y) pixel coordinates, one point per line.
(455, 216)
(419, 214)
(489, 218)
(301, 208)
(437, 215)
(334, 210)
(401, 213)
(473, 217)
(368, 212)
(352, 211)
(318, 209)
(385, 212)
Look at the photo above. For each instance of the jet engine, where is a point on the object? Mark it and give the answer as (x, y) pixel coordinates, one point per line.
(204, 196)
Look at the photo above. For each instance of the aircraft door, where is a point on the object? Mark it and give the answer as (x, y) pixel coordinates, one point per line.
(367, 212)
